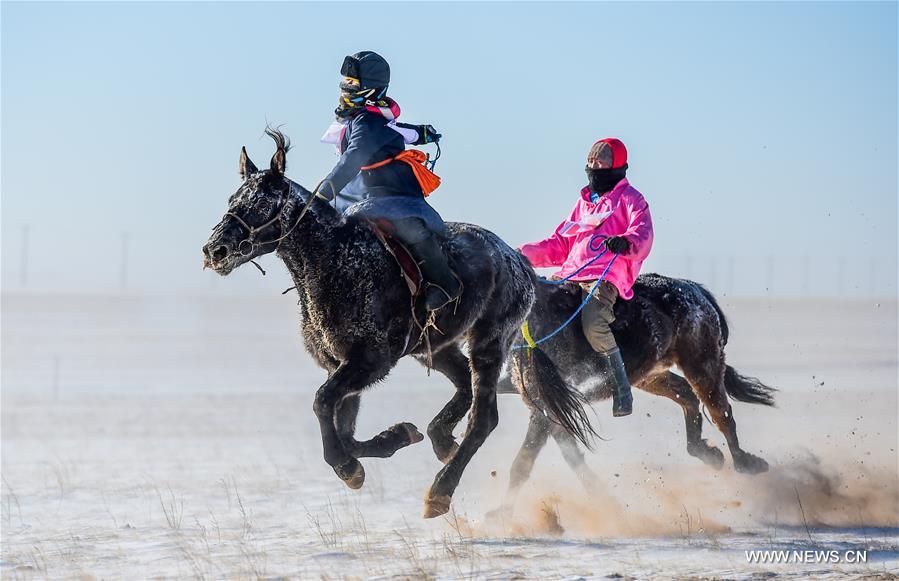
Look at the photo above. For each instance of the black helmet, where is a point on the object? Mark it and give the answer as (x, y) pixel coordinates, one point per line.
(369, 67)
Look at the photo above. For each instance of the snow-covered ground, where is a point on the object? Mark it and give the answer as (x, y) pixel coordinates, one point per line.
(149, 437)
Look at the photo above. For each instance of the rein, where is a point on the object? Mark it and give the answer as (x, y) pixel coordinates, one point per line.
(592, 245)
(530, 343)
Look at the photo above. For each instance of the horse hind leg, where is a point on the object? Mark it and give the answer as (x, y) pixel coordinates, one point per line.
(678, 390)
(451, 362)
(488, 351)
(383, 445)
(707, 379)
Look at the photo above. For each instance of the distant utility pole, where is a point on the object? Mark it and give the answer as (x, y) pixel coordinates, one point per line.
(769, 274)
(713, 274)
(123, 270)
(23, 264)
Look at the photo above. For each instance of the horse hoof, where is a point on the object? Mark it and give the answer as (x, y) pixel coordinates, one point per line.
(411, 432)
(710, 455)
(436, 506)
(352, 473)
(749, 464)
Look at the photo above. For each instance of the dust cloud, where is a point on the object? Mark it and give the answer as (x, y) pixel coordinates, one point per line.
(651, 501)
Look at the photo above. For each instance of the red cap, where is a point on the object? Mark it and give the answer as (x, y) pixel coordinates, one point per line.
(607, 153)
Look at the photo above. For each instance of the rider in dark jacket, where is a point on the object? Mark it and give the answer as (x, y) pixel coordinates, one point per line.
(389, 194)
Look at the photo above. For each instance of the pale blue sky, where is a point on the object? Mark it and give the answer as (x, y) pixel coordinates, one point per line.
(754, 129)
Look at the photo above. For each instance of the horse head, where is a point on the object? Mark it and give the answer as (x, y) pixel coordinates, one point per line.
(260, 213)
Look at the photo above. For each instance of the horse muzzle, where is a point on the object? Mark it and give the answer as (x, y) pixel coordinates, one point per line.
(220, 257)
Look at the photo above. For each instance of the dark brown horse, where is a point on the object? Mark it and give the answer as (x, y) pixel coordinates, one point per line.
(668, 322)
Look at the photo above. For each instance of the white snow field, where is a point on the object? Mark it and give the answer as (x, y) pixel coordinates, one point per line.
(153, 437)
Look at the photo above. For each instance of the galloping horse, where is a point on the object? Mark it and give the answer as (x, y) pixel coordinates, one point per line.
(668, 322)
(359, 319)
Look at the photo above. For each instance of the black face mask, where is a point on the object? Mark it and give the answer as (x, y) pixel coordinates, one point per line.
(603, 180)
(343, 112)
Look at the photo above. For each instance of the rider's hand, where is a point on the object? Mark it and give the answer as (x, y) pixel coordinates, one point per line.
(426, 134)
(617, 244)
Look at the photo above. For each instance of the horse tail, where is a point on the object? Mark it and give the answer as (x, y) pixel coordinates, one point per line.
(739, 387)
(747, 389)
(725, 329)
(546, 389)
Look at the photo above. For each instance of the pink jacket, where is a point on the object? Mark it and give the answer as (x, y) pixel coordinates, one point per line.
(620, 212)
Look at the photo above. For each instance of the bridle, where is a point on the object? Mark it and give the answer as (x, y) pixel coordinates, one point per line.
(254, 230)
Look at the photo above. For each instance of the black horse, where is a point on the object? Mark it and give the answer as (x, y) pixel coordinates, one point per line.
(668, 322)
(359, 319)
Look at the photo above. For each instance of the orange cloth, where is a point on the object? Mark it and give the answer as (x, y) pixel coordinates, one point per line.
(415, 158)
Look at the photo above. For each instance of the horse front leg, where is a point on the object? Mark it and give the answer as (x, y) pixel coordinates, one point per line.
(383, 445)
(348, 379)
(539, 427)
(574, 456)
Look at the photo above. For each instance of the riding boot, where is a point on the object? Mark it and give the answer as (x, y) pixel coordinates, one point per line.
(442, 284)
(596, 319)
(622, 398)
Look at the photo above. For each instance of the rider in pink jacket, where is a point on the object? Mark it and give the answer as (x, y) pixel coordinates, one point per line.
(610, 217)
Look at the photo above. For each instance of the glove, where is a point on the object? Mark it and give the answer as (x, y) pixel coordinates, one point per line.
(426, 134)
(325, 191)
(617, 244)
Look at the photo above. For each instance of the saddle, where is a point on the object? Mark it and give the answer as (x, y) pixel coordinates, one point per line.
(409, 268)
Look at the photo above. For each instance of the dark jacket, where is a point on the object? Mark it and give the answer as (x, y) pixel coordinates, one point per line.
(368, 140)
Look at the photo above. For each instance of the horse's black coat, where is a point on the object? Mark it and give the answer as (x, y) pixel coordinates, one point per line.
(668, 322)
(358, 318)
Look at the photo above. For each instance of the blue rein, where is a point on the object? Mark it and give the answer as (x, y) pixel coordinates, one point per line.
(531, 343)
(592, 246)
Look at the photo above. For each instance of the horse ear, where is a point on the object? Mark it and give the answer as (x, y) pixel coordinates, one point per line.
(246, 166)
(279, 162)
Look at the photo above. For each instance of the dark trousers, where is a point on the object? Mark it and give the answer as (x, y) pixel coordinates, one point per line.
(409, 231)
